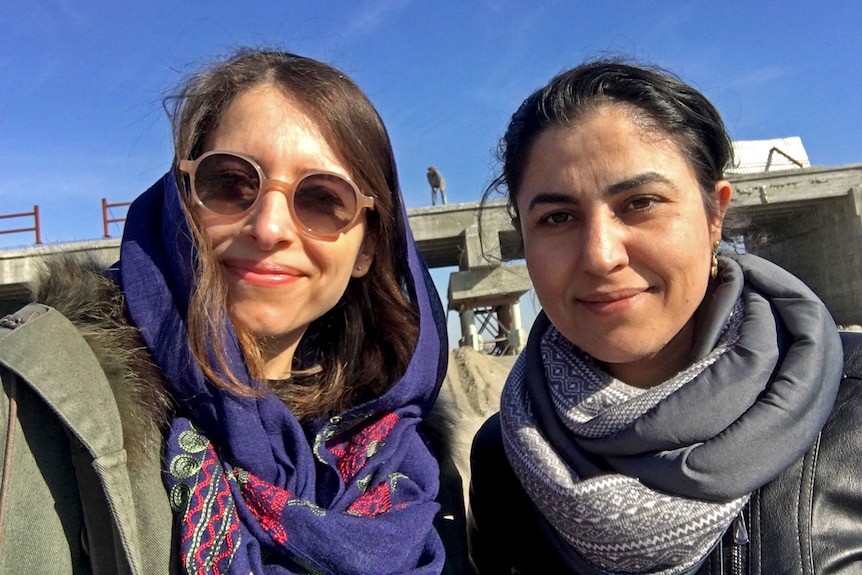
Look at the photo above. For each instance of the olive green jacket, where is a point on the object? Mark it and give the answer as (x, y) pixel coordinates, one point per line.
(80, 463)
(71, 500)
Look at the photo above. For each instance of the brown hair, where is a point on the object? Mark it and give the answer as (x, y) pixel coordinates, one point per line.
(357, 350)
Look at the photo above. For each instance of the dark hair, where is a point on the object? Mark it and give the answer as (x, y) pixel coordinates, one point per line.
(357, 350)
(659, 100)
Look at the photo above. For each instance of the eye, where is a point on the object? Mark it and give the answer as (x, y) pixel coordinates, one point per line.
(225, 179)
(641, 203)
(324, 203)
(321, 196)
(556, 218)
(245, 185)
(227, 185)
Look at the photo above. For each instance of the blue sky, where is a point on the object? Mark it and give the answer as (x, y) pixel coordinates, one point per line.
(82, 82)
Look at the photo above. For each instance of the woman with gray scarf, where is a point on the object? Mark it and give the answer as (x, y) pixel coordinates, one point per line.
(674, 411)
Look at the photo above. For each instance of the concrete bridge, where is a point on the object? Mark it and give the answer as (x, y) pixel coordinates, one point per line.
(811, 219)
(811, 223)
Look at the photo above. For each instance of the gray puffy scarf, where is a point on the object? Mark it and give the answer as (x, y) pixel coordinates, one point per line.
(646, 482)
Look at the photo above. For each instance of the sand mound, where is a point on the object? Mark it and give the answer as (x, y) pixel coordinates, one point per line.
(472, 390)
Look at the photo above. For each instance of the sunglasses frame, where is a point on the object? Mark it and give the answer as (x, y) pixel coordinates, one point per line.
(189, 167)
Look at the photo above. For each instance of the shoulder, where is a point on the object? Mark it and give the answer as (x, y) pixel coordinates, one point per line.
(79, 397)
(823, 489)
(830, 477)
(506, 531)
(439, 428)
(83, 293)
(490, 470)
(852, 342)
(489, 438)
(843, 430)
(845, 422)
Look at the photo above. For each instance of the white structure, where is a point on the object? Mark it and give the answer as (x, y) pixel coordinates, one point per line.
(757, 156)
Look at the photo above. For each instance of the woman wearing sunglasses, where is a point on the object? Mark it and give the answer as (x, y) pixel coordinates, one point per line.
(674, 410)
(288, 342)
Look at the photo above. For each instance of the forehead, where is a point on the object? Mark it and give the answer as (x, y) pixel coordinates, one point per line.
(269, 124)
(608, 137)
(600, 151)
(266, 105)
(600, 119)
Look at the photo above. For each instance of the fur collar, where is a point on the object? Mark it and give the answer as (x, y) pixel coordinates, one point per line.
(80, 291)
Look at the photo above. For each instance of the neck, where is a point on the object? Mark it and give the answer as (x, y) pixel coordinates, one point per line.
(277, 357)
(658, 368)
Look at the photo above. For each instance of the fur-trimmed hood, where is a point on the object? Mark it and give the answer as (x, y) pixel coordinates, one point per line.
(80, 290)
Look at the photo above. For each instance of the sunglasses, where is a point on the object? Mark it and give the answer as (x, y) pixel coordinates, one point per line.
(323, 204)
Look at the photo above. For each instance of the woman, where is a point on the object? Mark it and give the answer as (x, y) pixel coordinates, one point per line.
(290, 342)
(674, 403)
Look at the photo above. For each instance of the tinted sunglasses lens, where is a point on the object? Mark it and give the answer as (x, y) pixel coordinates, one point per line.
(324, 203)
(226, 184)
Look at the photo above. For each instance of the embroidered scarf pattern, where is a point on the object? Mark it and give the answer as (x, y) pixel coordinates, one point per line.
(647, 481)
(254, 490)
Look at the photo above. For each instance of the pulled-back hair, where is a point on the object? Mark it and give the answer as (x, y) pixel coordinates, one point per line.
(657, 99)
(359, 349)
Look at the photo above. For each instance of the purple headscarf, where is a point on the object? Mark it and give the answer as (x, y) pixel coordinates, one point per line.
(256, 492)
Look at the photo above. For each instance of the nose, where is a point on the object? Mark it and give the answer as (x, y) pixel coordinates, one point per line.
(270, 222)
(603, 248)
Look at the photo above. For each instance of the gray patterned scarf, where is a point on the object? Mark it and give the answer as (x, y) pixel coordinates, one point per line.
(647, 481)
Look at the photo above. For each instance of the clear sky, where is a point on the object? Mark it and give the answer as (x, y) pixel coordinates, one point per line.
(81, 83)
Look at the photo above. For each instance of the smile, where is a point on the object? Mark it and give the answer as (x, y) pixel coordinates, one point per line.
(262, 274)
(613, 302)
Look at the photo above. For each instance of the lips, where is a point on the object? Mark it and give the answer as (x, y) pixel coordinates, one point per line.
(612, 302)
(262, 274)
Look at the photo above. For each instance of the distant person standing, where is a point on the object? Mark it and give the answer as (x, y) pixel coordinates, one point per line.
(437, 182)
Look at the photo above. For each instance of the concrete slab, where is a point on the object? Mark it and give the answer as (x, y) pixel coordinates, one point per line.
(488, 286)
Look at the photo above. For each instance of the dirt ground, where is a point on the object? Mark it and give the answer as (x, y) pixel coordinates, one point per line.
(472, 389)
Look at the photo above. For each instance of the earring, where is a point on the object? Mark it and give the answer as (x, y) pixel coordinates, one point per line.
(359, 267)
(714, 269)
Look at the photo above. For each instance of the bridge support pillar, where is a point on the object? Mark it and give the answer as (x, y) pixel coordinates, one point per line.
(469, 334)
(486, 300)
(517, 337)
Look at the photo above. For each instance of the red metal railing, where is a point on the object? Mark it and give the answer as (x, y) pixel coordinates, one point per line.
(35, 228)
(106, 220)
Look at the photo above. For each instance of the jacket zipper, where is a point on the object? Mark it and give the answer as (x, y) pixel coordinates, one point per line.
(738, 551)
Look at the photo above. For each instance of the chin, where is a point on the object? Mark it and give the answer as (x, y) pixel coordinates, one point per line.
(261, 325)
(270, 331)
(610, 351)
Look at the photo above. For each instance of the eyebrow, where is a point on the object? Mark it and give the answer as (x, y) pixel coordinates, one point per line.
(636, 182)
(613, 189)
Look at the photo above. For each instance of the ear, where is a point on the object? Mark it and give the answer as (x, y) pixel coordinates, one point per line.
(516, 223)
(365, 257)
(723, 194)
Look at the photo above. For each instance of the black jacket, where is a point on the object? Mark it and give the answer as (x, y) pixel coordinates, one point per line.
(806, 521)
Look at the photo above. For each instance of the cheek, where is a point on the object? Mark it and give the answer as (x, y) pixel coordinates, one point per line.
(692, 276)
(216, 230)
(546, 273)
(536, 244)
(215, 236)
(535, 261)
(338, 258)
(208, 224)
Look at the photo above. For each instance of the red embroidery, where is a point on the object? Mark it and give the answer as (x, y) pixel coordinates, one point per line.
(228, 551)
(266, 502)
(354, 452)
(210, 502)
(372, 503)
